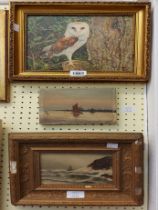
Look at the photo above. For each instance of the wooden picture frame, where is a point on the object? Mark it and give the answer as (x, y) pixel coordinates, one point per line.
(79, 169)
(1, 160)
(4, 83)
(59, 41)
(1, 130)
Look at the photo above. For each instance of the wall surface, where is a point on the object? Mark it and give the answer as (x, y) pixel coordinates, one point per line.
(17, 117)
(152, 100)
(22, 115)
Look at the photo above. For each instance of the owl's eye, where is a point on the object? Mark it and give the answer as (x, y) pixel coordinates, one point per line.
(82, 28)
(73, 28)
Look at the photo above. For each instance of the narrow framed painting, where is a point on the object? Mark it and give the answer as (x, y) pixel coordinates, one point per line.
(77, 106)
(76, 169)
(4, 83)
(108, 41)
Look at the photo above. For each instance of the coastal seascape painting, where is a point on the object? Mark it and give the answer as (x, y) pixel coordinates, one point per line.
(101, 165)
(77, 168)
(78, 106)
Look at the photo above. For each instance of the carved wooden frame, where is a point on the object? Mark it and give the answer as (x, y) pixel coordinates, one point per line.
(26, 189)
(1, 162)
(4, 83)
(139, 10)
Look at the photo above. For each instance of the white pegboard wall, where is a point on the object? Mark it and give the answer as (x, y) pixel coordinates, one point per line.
(22, 115)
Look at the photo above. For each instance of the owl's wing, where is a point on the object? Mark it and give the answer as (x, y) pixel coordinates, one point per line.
(63, 44)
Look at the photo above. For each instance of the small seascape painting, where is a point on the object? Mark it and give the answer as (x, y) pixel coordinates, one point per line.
(78, 106)
(77, 168)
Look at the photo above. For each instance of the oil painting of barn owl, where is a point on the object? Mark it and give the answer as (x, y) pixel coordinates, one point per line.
(83, 42)
(76, 35)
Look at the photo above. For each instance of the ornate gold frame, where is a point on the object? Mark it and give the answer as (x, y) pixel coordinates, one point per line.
(28, 189)
(139, 10)
(4, 84)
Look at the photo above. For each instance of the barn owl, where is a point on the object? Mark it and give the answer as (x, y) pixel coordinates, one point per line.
(76, 35)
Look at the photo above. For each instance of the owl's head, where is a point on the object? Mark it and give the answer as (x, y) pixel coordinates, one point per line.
(77, 29)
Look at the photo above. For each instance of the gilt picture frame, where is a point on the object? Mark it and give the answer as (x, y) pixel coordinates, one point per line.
(80, 41)
(76, 169)
(4, 83)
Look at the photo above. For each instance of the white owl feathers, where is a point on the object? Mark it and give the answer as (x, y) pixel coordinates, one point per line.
(76, 35)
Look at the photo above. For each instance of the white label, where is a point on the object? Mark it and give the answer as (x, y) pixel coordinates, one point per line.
(13, 168)
(78, 73)
(112, 145)
(16, 27)
(75, 194)
(128, 109)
